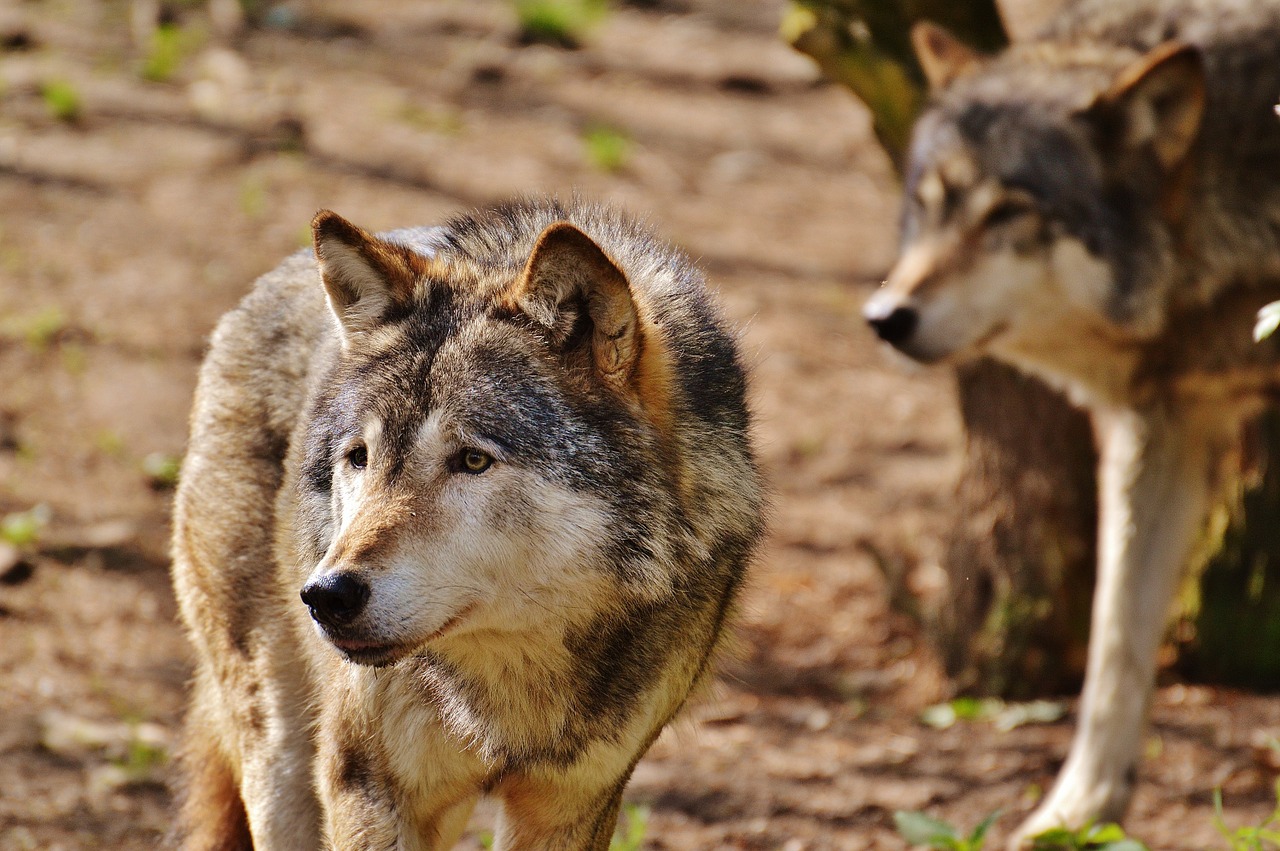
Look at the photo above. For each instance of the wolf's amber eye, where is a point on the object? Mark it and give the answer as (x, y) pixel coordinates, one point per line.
(1007, 211)
(358, 457)
(474, 461)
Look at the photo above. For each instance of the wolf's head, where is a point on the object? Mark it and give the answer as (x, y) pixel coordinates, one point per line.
(1041, 191)
(486, 453)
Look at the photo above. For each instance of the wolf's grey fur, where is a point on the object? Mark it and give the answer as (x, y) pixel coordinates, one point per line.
(507, 466)
(1101, 206)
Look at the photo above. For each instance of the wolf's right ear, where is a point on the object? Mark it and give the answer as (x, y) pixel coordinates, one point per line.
(366, 278)
(570, 283)
(1158, 102)
(942, 56)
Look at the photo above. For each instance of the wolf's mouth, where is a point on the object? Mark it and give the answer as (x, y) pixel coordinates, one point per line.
(985, 341)
(368, 652)
(452, 623)
(379, 654)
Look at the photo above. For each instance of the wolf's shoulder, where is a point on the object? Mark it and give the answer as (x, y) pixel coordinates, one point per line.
(263, 351)
(1215, 26)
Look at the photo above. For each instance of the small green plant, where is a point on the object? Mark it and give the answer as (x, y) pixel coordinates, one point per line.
(253, 197)
(142, 758)
(445, 120)
(632, 829)
(110, 443)
(62, 100)
(37, 330)
(75, 360)
(560, 22)
(169, 47)
(607, 147)
(1092, 837)
(23, 528)
(925, 831)
(922, 830)
(162, 470)
(1249, 838)
(1004, 716)
(940, 716)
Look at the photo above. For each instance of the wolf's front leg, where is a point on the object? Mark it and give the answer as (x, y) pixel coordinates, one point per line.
(551, 814)
(366, 806)
(276, 751)
(1157, 475)
(368, 817)
(356, 794)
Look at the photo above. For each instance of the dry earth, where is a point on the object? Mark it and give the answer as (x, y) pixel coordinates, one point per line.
(125, 233)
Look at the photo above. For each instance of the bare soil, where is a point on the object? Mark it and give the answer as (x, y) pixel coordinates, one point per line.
(126, 231)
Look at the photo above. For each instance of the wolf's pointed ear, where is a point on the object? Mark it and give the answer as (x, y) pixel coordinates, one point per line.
(942, 56)
(569, 283)
(1159, 101)
(366, 277)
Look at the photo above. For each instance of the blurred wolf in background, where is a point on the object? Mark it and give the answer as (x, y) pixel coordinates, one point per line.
(1101, 207)
(507, 469)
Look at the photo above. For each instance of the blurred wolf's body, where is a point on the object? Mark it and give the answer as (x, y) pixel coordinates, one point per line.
(1101, 206)
(507, 468)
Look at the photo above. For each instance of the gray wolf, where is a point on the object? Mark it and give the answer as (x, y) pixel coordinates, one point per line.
(465, 510)
(1101, 207)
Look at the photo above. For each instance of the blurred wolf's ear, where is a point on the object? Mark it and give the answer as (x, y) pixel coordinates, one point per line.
(366, 278)
(942, 56)
(569, 285)
(1158, 101)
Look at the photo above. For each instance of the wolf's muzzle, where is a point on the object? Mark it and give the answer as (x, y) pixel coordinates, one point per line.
(335, 599)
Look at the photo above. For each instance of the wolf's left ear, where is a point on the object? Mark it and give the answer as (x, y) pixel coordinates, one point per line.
(1159, 101)
(569, 282)
(366, 278)
(942, 56)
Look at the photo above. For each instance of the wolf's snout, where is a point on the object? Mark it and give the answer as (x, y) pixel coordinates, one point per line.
(335, 599)
(893, 323)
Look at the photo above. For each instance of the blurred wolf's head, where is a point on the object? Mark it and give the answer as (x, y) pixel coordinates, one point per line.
(1040, 188)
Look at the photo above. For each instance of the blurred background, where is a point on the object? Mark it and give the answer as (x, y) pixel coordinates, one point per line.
(155, 157)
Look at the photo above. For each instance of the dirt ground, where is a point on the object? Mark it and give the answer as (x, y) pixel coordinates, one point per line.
(131, 223)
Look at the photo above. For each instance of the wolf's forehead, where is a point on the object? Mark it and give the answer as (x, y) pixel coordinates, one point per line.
(1029, 146)
(486, 369)
(389, 367)
(1042, 76)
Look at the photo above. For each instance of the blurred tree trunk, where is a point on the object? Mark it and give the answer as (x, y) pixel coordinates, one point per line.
(865, 45)
(1229, 631)
(1020, 559)
(1022, 556)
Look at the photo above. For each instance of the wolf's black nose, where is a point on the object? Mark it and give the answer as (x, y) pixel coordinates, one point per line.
(335, 599)
(895, 326)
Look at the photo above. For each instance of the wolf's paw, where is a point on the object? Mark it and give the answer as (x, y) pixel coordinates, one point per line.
(1073, 805)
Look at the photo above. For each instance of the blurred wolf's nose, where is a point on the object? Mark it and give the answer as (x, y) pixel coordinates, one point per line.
(335, 599)
(894, 325)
